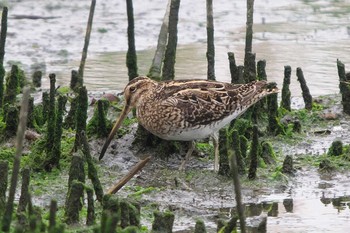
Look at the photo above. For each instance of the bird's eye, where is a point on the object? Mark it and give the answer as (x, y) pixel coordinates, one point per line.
(132, 89)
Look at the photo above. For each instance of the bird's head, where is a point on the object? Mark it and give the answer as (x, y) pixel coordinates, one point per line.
(133, 93)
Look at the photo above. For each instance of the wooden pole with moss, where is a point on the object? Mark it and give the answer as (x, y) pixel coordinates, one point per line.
(131, 58)
(344, 86)
(210, 41)
(200, 227)
(254, 154)
(224, 163)
(52, 215)
(11, 121)
(92, 171)
(51, 126)
(305, 90)
(156, 67)
(261, 70)
(248, 55)
(170, 52)
(285, 103)
(233, 154)
(90, 217)
(249, 73)
(4, 171)
(80, 116)
(163, 222)
(233, 68)
(273, 127)
(3, 34)
(56, 150)
(7, 217)
(86, 45)
(24, 197)
(12, 84)
(74, 202)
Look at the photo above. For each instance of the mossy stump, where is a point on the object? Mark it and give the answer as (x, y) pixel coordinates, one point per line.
(236, 146)
(46, 104)
(286, 94)
(74, 80)
(11, 88)
(235, 78)
(274, 127)
(52, 216)
(200, 227)
(336, 148)
(80, 116)
(36, 78)
(249, 73)
(224, 162)
(254, 154)
(288, 205)
(261, 72)
(287, 167)
(4, 169)
(11, 121)
(267, 153)
(24, 197)
(344, 86)
(76, 170)
(90, 217)
(92, 171)
(99, 125)
(305, 89)
(163, 222)
(69, 121)
(74, 202)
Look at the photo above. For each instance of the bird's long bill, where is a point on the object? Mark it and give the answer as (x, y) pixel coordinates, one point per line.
(123, 114)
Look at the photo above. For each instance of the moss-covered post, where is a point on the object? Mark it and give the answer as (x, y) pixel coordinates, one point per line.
(249, 72)
(336, 148)
(99, 125)
(261, 72)
(170, 52)
(24, 197)
(236, 147)
(124, 214)
(69, 122)
(344, 86)
(74, 202)
(90, 217)
(285, 103)
(210, 41)
(11, 121)
(74, 80)
(249, 57)
(51, 126)
(274, 127)
(4, 171)
(12, 83)
(46, 105)
(200, 227)
(3, 34)
(305, 90)
(56, 150)
(92, 171)
(30, 121)
(131, 58)
(52, 215)
(80, 116)
(134, 214)
(36, 78)
(233, 68)
(76, 170)
(287, 166)
(80, 82)
(7, 217)
(224, 164)
(163, 222)
(254, 154)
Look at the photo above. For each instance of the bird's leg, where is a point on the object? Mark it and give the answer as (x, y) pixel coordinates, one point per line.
(188, 155)
(215, 137)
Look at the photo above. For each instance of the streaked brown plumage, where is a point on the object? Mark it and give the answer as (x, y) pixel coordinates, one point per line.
(187, 110)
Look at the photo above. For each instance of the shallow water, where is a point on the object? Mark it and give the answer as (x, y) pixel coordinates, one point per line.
(307, 34)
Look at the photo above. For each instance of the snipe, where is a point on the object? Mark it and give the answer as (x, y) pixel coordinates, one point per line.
(187, 110)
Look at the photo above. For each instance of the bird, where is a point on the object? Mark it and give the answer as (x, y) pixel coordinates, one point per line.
(188, 110)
